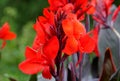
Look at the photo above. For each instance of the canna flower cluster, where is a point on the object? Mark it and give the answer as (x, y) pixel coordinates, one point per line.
(62, 32)
(6, 34)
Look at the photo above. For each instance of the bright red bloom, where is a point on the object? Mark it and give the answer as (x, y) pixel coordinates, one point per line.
(80, 6)
(78, 39)
(43, 52)
(41, 60)
(6, 34)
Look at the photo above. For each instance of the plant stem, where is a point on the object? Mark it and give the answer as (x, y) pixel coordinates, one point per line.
(87, 23)
(74, 60)
(80, 66)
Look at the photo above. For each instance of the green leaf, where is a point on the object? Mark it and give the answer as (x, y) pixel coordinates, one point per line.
(33, 77)
(108, 66)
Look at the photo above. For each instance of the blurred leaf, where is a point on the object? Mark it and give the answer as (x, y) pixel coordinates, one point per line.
(116, 76)
(108, 66)
(10, 11)
(33, 77)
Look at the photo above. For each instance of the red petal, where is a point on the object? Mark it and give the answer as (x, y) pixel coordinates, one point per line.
(115, 14)
(40, 31)
(79, 29)
(71, 46)
(87, 44)
(9, 36)
(67, 27)
(55, 4)
(96, 51)
(94, 35)
(42, 19)
(80, 59)
(31, 66)
(51, 48)
(49, 15)
(46, 73)
(91, 10)
(5, 27)
(30, 53)
(5, 34)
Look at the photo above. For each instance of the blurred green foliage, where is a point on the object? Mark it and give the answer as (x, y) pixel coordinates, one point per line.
(21, 15)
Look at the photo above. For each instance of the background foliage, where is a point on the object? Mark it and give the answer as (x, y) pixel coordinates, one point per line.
(21, 15)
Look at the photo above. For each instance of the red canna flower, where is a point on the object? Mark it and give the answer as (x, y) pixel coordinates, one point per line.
(77, 38)
(42, 59)
(80, 7)
(6, 34)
